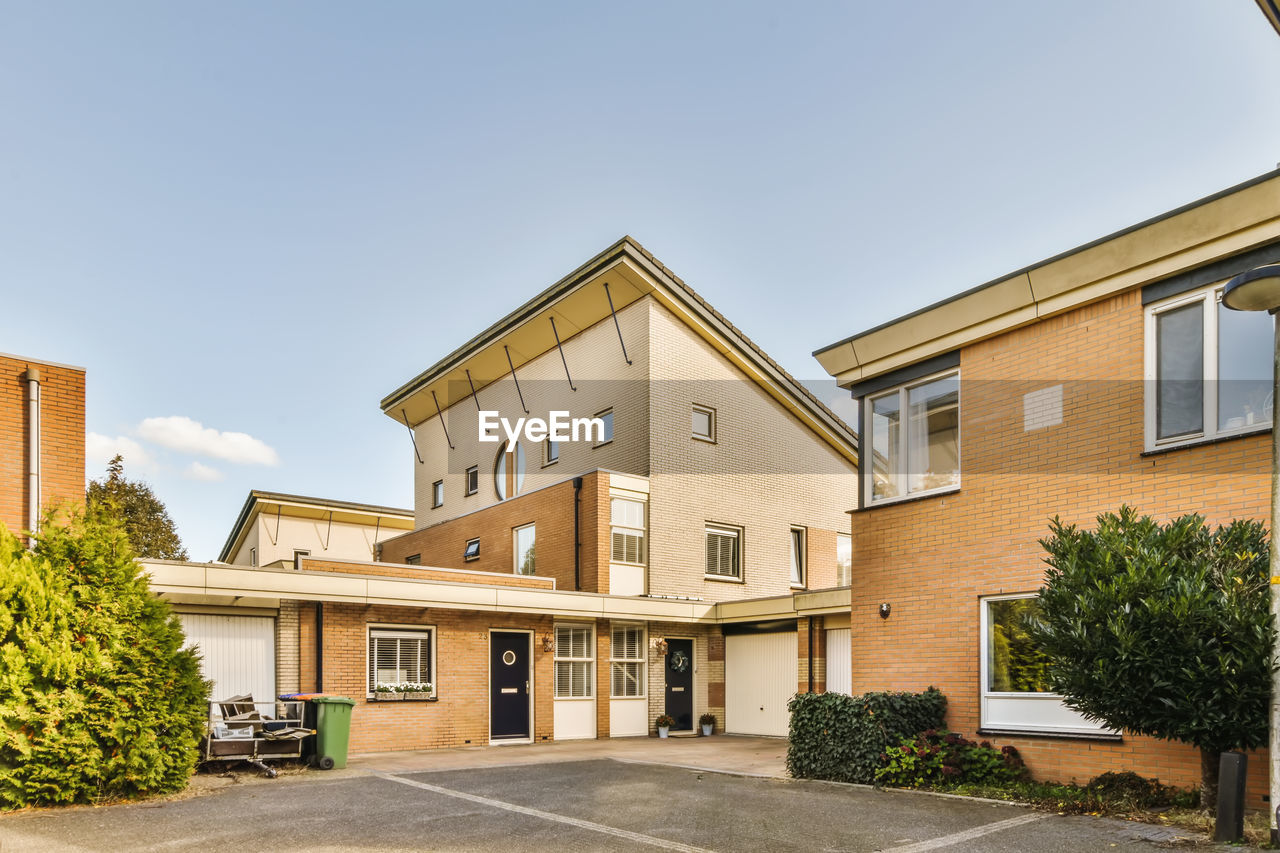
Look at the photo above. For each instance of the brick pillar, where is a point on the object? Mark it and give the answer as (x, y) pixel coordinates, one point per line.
(604, 681)
(288, 676)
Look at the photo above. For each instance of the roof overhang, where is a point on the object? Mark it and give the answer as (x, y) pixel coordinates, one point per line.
(300, 506)
(1228, 223)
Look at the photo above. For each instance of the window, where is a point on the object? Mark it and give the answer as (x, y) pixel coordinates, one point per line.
(1015, 685)
(472, 551)
(844, 559)
(400, 655)
(437, 494)
(473, 479)
(1208, 369)
(627, 518)
(413, 560)
(508, 470)
(724, 552)
(573, 662)
(253, 556)
(550, 452)
(626, 662)
(797, 556)
(524, 549)
(606, 435)
(704, 422)
(921, 455)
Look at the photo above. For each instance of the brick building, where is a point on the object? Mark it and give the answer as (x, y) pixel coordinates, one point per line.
(41, 439)
(689, 556)
(1109, 374)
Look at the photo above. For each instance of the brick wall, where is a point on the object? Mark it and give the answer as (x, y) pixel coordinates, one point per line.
(62, 474)
(423, 573)
(932, 559)
(550, 508)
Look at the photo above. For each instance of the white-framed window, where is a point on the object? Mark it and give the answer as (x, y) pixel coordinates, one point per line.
(472, 550)
(253, 557)
(704, 423)
(573, 662)
(724, 551)
(844, 559)
(473, 479)
(626, 662)
(627, 532)
(1015, 682)
(525, 541)
(606, 434)
(1207, 369)
(437, 494)
(915, 439)
(798, 538)
(550, 452)
(399, 655)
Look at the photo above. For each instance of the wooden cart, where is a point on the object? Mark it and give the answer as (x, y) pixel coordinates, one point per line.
(240, 729)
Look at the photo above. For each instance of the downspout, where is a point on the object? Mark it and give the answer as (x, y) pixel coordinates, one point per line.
(33, 458)
(577, 543)
(810, 654)
(319, 646)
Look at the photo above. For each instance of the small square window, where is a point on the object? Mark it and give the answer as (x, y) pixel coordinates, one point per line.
(472, 551)
(724, 552)
(473, 479)
(402, 656)
(606, 432)
(437, 494)
(550, 452)
(704, 423)
(413, 560)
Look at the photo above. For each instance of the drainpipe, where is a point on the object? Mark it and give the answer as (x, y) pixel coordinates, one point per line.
(810, 654)
(319, 646)
(33, 459)
(577, 543)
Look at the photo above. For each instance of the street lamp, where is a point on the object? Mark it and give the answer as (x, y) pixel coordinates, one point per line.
(1259, 290)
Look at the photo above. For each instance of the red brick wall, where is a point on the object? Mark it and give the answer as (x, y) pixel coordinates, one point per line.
(387, 570)
(551, 509)
(933, 558)
(61, 438)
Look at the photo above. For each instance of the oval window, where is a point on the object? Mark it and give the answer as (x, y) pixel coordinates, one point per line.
(508, 470)
(508, 657)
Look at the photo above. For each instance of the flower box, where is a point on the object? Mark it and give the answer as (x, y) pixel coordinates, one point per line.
(420, 697)
(383, 696)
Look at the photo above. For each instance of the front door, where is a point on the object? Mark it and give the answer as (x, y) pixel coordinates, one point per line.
(509, 685)
(680, 684)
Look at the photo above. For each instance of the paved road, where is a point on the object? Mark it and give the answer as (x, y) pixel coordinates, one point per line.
(571, 806)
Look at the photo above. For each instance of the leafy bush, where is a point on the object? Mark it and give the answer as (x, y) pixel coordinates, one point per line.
(98, 699)
(936, 758)
(842, 738)
(1103, 795)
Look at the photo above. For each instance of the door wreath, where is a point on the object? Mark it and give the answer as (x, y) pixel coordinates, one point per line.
(678, 661)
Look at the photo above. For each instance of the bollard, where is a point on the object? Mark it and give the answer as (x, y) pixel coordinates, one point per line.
(1229, 825)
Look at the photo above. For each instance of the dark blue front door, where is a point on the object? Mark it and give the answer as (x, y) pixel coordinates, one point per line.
(508, 685)
(680, 683)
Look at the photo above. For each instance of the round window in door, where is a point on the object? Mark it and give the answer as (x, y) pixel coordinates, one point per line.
(678, 661)
(508, 657)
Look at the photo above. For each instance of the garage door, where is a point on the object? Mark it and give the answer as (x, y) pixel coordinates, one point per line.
(839, 661)
(759, 681)
(238, 653)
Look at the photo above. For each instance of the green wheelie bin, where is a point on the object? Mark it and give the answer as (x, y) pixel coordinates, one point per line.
(333, 730)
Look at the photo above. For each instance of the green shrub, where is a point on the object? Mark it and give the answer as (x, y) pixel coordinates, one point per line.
(98, 699)
(939, 758)
(841, 738)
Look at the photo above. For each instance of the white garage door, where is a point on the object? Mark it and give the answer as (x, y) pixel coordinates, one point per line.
(238, 653)
(839, 661)
(759, 681)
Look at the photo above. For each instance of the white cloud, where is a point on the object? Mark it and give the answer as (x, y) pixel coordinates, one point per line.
(196, 471)
(181, 433)
(99, 450)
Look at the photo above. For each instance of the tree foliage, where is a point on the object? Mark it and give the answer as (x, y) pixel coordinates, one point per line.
(98, 699)
(1163, 630)
(151, 531)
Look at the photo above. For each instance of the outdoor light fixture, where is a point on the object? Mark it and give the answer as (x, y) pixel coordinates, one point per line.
(884, 610)
(1259, 290)
(548, 643)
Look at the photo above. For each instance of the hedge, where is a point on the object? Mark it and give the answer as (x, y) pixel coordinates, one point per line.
(841, 738)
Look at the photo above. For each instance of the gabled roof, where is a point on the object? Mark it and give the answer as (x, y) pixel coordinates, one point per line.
(577, 302)
(301, 506)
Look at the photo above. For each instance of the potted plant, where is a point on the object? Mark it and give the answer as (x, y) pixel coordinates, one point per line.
(708, 722)
(664, 724)
(384, 692)
(418, 690)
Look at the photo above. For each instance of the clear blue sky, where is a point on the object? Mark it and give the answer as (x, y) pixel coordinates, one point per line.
(259, 218)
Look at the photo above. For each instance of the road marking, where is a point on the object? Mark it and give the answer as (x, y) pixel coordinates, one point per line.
(966, 835)
(571, 821)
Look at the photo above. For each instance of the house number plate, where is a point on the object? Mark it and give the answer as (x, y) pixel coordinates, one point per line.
(510, 690)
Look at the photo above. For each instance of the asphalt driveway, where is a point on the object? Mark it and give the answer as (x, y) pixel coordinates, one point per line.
(599, 804)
